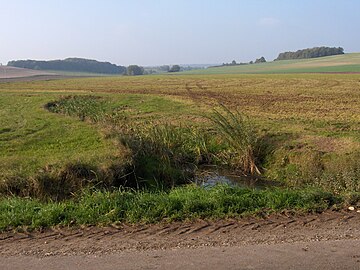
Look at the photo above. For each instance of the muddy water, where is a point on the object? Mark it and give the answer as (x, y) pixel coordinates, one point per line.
(210, 177)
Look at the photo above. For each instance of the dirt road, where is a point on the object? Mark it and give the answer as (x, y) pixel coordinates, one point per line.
(325, 241)
(343, 254)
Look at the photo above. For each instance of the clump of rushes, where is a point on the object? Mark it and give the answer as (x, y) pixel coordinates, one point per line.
(85, 107)
(238, 132)
(166, 153)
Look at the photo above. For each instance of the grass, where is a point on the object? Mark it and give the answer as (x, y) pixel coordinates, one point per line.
(32, 138)
(299, 114)
(184, 203)
(309, 123)
(167, 153)
(240, 135)
(339, 63)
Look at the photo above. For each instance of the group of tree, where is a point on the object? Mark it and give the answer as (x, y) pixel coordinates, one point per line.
(260, 60)
(134, 70)
(234, 63)
(310, 53)
(167, 68)
(72, 65)
(175, 68)
(93, 66)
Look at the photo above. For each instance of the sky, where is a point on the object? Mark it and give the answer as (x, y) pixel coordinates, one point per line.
(155, 32)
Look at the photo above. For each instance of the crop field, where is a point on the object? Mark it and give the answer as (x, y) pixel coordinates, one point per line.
(13, 72)
(346, 63)
(60, 137)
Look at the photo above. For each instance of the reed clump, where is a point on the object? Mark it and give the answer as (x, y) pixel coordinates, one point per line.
(238, 132)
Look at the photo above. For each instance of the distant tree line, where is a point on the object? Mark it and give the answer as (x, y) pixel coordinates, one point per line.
(71, 64)
(234, 63)
(310, 53)
(93, 66)
(134, 70)
(167, 68)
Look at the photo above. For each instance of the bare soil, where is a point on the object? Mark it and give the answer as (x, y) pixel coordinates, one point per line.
(330, 240)
(341, 254)
(34, 78)
(14, 72)
(284, 228)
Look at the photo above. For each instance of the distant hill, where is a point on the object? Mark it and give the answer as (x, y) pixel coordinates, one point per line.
(345, 63)
(70, 65)
(310, 53)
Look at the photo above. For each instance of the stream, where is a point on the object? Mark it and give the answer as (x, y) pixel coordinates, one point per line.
(209, 177)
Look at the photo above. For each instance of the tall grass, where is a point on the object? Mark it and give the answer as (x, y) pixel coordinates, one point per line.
(166, 153)
(67, 181)
(238, 132)
(84, 107)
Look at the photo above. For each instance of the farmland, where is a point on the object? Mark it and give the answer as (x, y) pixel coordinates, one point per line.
(308, 125)
(13, 72)
(331, 64)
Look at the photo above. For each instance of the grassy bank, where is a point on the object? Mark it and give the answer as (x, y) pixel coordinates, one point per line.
(118, 133)
(182, 203)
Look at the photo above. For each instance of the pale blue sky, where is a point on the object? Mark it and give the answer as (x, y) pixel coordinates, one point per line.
(149, 32)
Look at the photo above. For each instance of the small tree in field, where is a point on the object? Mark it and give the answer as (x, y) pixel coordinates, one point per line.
(134, 70)
(175, 68)
(260, 60)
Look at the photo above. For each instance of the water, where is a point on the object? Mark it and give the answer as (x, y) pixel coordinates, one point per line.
(211, 177)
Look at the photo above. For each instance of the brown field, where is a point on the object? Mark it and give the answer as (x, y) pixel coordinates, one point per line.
(14, 72)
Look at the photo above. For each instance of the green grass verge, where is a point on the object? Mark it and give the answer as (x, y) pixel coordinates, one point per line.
(182, 203)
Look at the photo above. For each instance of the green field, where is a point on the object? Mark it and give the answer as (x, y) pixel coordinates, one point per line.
(60, 138)
(340, 63)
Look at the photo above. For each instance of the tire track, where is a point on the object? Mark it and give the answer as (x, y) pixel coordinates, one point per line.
(267, 230)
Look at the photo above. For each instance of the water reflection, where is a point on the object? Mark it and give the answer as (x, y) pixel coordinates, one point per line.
(212, 177)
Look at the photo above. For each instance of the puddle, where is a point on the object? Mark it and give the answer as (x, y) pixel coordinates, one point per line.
(212, 177)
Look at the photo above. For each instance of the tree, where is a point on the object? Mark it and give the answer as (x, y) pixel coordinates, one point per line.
(134, 70)
(310, 53)
(175, 68)
(260, 60)
(233, 62)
